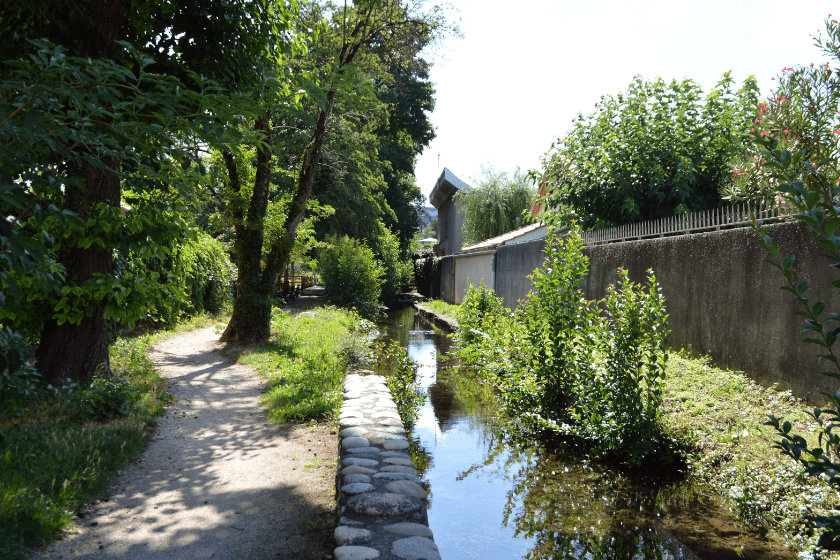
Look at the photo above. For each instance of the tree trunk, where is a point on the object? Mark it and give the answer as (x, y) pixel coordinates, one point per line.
(279, 255)
(250, 321)
(78, 352)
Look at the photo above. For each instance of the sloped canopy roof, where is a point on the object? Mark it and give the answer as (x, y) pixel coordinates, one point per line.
(447, 184)
(521, 235)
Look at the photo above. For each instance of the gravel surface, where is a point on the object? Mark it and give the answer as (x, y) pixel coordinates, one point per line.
(216, 480)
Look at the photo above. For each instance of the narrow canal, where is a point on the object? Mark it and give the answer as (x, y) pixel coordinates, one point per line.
(493, 500)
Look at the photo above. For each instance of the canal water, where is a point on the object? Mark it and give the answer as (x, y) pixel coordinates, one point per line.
(491, 499)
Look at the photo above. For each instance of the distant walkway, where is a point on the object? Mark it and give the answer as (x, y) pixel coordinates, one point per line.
(309, 296)
(217, 480)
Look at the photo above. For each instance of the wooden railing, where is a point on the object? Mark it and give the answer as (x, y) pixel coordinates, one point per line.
(740, 214)
(291, 286)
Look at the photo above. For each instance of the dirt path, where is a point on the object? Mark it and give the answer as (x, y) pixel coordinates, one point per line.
(217, 480)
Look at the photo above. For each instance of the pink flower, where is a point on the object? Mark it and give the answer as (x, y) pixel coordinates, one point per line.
(752, 130)
(764, 133)
(787, 131)
(736, 171)
(837, 131)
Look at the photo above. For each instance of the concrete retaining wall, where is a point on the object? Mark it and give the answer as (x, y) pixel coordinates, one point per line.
(440, 321)
(514, 263)
(722, 299)
(725, 302)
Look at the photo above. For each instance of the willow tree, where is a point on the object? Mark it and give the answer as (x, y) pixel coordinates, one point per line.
(496, 204)
(352, 31)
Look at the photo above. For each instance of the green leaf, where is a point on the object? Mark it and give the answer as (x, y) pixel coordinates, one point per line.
(788, 261)
(818, 308)
(802, 287)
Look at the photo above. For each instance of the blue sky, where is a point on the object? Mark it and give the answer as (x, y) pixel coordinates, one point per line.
(525, 69)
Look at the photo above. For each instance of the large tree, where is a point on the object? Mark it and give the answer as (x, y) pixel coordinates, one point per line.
(81, 118)
(368, 24)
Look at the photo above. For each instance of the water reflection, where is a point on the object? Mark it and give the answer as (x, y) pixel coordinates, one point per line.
(492, 498)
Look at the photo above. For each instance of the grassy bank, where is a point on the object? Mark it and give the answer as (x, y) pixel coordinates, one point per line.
(305, 361)
(57, 453)
(720, 414)
(440, 307)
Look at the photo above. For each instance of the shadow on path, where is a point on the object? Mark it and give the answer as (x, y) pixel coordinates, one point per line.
(217, 480)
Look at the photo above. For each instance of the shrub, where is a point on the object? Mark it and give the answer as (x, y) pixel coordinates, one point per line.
(397, 271)
(559, 325)
(812, 188)
(597, 369)
(19, 380)
(654, 151)
(479, 310)
(103, 398)
(209, 278)
(801, 115)
(196, 277)
(351, 275)
(622, 406)
(565, 364)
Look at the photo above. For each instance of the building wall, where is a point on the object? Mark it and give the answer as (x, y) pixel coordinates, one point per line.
(472, 270)
(514, 263)
(447, 279)
(450, 220)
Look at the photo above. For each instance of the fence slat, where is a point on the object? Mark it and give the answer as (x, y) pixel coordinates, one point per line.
(739, 214)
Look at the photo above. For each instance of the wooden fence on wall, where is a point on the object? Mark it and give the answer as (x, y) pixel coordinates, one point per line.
(740, 214)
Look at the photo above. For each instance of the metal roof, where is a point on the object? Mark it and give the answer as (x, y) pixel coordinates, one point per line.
(447, 184)
(527, 233)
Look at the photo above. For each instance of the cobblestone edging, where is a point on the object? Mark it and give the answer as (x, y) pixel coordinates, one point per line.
(380, 501)
(440, 321)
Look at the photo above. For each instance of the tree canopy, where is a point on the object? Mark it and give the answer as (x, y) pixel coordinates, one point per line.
(653, 151)
(119, 119)
(100, 139)
(496, 204)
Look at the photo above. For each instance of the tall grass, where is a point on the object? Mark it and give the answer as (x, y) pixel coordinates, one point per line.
(305, 361)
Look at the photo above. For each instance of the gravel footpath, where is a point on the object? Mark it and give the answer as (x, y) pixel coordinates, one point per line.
(217, 480)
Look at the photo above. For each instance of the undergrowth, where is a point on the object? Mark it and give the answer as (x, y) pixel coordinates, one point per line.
(718, 417)
(723, 413)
